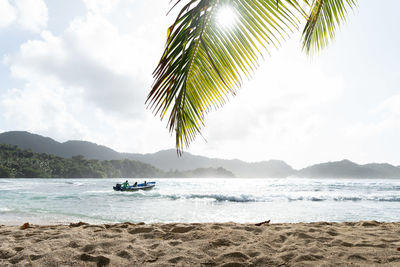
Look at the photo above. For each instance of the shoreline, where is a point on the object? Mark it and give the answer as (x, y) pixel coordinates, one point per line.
(363, 243)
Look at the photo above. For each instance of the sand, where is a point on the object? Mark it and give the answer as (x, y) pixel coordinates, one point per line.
(367, 243)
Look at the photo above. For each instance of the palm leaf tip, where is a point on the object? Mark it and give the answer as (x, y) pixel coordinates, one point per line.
(325, 18)
(204, 62)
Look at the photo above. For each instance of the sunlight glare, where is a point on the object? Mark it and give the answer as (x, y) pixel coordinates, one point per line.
(226, 17)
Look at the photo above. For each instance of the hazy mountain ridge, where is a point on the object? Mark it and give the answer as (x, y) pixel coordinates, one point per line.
(167, 160)
(347, 168)
(16, 162)
(41, 144)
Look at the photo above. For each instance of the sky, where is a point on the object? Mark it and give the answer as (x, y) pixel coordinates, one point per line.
(81, 70)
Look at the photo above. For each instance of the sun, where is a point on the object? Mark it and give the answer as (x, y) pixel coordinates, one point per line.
(226, 17)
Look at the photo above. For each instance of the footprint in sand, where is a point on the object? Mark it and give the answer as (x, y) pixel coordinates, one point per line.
(266, 261)
(73, 244)
(287, 256)
(88, 248)
(6, 253)
(155, 245)
(100, 260)
(175, 243)
(234, 264)
(304, 236)
(394, 259)
(238, 256)
(35, 257)
(339, 243)
(182, 229)
(140, 230)
(124, 254)
(180, 259)
(308, 257)
(222, 242)
(332, 233)
(16, 259)
(356, 257)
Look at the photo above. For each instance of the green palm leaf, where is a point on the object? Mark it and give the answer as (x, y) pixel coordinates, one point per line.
(204, 62)
(325, 18)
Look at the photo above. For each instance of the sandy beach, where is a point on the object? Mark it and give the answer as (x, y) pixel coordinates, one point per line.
(366, 243)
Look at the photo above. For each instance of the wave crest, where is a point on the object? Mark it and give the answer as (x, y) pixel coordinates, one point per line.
(215, 197)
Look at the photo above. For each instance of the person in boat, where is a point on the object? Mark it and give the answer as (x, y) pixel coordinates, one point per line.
(125, 184)
(145, 183)
(135, 184)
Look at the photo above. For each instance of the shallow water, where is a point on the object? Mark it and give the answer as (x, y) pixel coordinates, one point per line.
(49, 201)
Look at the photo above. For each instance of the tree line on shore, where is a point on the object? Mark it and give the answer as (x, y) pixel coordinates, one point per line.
(21, 163)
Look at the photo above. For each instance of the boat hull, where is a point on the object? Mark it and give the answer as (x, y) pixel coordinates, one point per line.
(144, 187)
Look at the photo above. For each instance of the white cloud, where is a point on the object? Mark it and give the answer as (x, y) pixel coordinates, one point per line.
(391, 106)
(282, 108)
(89, 83)
(7, 14)
(384, 117)
(101, 6)
(30, 15)
(91, 57)
(41, 108)
(375, 136)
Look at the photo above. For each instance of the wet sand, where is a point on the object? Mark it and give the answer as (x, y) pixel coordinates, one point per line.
(366, 243)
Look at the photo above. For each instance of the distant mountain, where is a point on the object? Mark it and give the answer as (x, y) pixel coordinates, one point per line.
(167, 160)
(201, 173)
(16, 162)
(41, 144)
(346, 168)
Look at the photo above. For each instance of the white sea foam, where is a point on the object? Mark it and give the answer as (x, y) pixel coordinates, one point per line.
(5, 210)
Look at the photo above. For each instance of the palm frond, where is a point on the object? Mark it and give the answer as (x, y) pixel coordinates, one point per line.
(204, 62)
(325, 18)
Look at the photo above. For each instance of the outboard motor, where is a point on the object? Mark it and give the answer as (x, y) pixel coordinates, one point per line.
(117, 187)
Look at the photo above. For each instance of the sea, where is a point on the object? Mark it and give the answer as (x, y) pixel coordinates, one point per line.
(289, 200)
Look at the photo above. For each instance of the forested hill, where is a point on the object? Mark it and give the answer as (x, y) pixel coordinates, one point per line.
(164, 160)
(22, 163)
(101, 161)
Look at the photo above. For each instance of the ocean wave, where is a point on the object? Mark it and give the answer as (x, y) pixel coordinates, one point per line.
(63, 197)
(241, 198)
(379, 199)
(295, 199)
(389, 199)
(315, 199)
(344, 199)
(98, 192)
(348, 199)
(269, 198)
(214, 197)
(5, 210)
(75, 183)
(38, 198)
